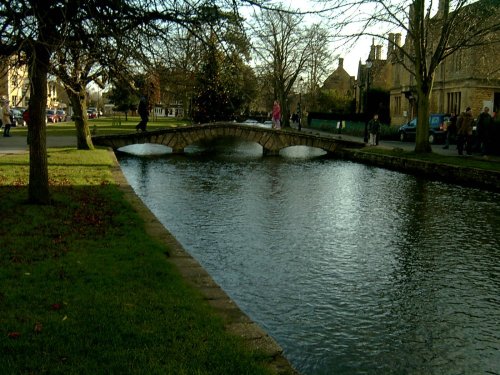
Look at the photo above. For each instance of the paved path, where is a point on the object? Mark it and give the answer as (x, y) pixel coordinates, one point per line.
(407, 146)
(17, 144)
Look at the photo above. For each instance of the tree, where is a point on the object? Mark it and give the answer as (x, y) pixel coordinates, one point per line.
(432, 35)
(123, 96)
(284, 47)
(211, 100)
(33, 31)
(319, 63)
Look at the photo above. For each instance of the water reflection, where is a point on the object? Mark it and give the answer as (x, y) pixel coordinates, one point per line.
(352, 269)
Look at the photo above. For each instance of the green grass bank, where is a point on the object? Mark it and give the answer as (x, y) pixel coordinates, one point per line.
(85, 289)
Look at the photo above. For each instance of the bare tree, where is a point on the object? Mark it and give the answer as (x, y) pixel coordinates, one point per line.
(284, 47)
(434, 31)
(319, 63)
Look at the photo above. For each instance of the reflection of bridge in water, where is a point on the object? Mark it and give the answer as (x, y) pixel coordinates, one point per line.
(271, 140)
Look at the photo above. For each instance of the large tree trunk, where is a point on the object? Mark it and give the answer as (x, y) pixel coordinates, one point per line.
(424, 88)
(38, 189)
(422, 144)
(83, 138)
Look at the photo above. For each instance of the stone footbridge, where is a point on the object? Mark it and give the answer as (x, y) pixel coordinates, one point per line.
(271, 140)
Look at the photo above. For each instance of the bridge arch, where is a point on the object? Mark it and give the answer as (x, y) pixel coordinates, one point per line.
(271, 140)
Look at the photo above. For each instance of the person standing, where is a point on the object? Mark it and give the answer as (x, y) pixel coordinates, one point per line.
(276, 115)
(374, 129)
(451, 131)
(143, 111)
(6, 117)
(484, 131)
(26, 119)
(464, 132)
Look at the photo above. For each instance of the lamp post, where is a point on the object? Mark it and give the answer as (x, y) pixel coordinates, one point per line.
(368, 68)
(301, 80)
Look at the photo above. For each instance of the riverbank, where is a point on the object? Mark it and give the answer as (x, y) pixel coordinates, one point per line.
(442, 164)
(94, 283)
(472, 174)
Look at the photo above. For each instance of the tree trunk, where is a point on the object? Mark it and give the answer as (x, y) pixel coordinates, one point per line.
(424, 88)
(38, 189)
(83, 137)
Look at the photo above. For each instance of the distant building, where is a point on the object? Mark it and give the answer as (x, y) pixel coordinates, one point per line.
(340, 81)
(14, 83)
(374, 80)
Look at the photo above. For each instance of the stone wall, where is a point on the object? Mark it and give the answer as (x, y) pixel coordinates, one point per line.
(474, 177)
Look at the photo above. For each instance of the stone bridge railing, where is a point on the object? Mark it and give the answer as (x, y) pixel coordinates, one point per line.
(271, 140)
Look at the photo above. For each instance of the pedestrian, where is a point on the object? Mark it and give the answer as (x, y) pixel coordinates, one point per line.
(26, 118)
(6, 121)
(464, 132)
(451, 131)
(374, 129)
(143, 111)
(484, 128)
(276, 115)
(295, 120)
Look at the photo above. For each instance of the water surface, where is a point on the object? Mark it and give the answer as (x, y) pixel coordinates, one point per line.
(352, 269)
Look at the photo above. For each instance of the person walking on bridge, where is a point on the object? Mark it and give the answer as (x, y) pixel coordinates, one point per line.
(276, 115)
(143, 111)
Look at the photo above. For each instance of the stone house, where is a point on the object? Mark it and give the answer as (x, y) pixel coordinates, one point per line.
(375, 76)
(340, 81)
(467, 78)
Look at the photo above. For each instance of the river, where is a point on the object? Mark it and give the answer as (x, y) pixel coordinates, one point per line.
(352, 269)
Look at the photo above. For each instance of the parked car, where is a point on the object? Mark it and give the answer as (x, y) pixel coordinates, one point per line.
(52, 116)
(91, 113)
(62, 114)
(16, 117)
(437, 126)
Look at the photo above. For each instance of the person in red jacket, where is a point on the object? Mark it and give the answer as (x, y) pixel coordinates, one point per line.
(276, 115)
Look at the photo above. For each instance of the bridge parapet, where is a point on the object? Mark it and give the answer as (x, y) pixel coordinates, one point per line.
(271, 140)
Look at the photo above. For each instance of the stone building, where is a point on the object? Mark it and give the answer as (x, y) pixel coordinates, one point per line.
(14, 82)
(467, 78)
(374, 79)
(14, 85)
(340, 81)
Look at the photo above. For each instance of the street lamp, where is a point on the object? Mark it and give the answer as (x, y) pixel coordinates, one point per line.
(368, 67)
(301, 80)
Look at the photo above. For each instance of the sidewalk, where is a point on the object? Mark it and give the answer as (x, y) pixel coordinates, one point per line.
(406, 146)
(17, 144)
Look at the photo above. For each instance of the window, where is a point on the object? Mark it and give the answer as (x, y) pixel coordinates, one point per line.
(454, 101)
(397, 105)
(457, 61)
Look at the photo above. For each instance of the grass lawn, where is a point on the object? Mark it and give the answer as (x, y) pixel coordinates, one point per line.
(106, 125)
(85, 290)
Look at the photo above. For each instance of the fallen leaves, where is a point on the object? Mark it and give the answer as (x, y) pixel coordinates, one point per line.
(38, 327)
(14, 335)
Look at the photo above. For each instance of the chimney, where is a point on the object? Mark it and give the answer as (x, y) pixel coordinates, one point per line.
(372, 50)
(341, 63)
(378, 51)
(397, 39)
(390, 44)
(441, 8)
